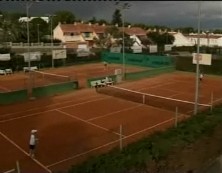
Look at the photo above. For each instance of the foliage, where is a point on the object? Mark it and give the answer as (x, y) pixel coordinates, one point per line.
(117, 18)
(65, 17)
(155, 148)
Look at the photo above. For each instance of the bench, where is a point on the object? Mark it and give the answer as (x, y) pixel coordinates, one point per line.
(99, 83)
(2, 72)
(102, 82)
(8, 71)
(26, 69)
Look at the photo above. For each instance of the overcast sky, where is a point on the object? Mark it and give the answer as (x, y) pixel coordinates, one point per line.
(165, 13)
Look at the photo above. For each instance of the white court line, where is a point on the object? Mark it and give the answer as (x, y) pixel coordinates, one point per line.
(73, 116)
(122, 110)
(13, 143)
(16, 118)
(102, 146)
(5, 115)
(81, 154)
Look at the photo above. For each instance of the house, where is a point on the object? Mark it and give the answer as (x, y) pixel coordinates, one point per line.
(180, 40)
(78, 33)
(138, 35)
(206, 39)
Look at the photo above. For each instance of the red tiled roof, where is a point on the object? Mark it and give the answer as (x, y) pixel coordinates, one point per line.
(80, 27)
(134, 31)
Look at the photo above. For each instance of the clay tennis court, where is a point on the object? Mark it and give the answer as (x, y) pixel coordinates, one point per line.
(73, 126)
(20, 80)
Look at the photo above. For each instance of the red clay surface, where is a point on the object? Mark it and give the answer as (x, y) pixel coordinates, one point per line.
(73, 126)
(20, 80)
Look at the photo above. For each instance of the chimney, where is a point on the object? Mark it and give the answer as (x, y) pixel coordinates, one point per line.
(129, 26)
(104, 24)
(75, 23)
(90, 24)
(116, 24)
(82, 21)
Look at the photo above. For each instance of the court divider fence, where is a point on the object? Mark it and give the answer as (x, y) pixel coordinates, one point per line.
(49, 90)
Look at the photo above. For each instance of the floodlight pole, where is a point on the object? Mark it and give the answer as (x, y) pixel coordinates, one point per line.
(123, 7)
(197, 63)
(51, 18)
(28, 5)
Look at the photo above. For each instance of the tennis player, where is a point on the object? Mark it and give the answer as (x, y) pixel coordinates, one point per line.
(32, 143)
(201, 76)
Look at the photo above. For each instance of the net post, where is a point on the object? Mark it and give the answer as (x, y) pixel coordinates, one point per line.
(18, 167)
(176, 117)
(121, 137)
(212, 100)
(144, 98)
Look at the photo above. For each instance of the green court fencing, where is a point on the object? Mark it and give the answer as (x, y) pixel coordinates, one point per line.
(138, 59)
(54, 89)
(149, 73)
(22, 95)
(13, 96)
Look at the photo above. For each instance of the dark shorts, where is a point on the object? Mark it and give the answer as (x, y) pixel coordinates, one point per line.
(32, 147)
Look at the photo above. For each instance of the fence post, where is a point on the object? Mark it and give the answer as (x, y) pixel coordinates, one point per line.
(121, 137)
(212, 100)
(176, 117)
(17, 167)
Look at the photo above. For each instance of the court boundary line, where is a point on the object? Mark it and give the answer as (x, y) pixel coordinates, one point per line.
(24, 152)
(32, 109)
(102, 146)
(33, 114)
(114, 112)
(100, 127)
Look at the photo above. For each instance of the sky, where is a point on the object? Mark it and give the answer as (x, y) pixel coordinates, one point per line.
(172, 14)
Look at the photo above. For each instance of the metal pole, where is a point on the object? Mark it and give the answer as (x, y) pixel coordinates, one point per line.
(121, 137)
(29, 59)
(123, 45)
(38, 33)
(176, 117)
(197, 65)
(212, 101)
(52, 42)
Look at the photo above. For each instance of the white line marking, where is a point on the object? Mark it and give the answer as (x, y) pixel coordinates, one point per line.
(40, 108)
(102, 146)
(18, 147)
(81, 154)
(122, 110)
(73, 116)
(16, 118)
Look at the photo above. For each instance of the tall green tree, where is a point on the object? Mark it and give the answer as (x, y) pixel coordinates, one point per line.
(65, 17)
(93, 20)
(117, 18)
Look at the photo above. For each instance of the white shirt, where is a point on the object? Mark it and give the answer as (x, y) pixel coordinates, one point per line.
(32, 140)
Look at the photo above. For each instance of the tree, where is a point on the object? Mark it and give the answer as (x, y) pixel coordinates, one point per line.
(65, 17)
(161, 39)
(38, 25)
(117, 18)
(93, 20)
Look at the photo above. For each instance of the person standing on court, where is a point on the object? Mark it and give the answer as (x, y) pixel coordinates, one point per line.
(32, 143)
(201, 76)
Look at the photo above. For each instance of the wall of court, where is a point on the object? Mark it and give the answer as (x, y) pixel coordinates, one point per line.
(186, 64)
(149, 73)
(138, 59)
(13, 96)
(21, 95)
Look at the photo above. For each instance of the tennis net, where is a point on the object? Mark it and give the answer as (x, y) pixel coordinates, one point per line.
(185, 107)
(40, 78)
